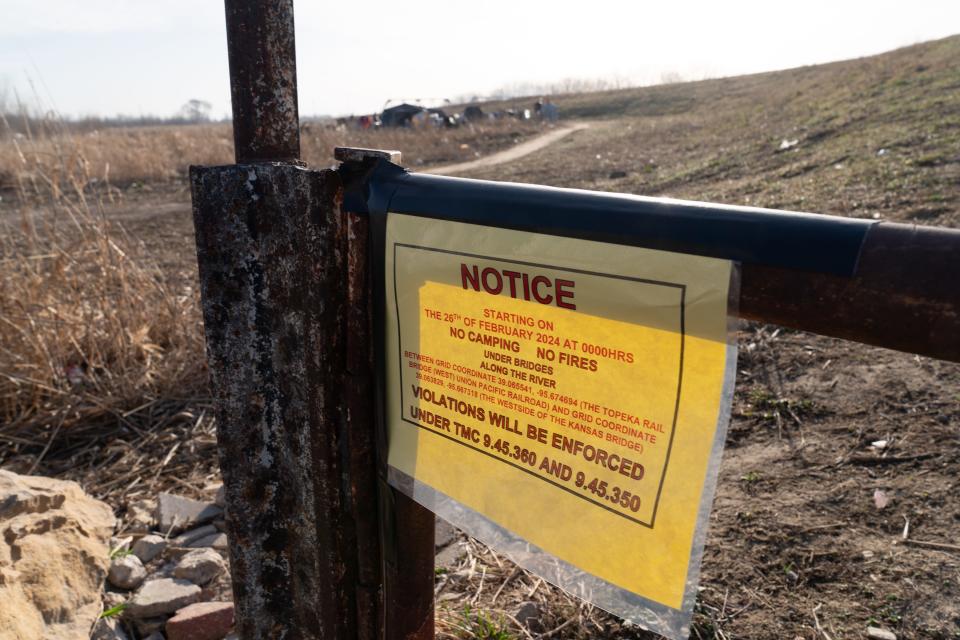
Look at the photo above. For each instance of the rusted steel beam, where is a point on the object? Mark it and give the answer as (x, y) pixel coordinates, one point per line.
(903, 295)
(885, 284)
(409, 571)
(272, 247)
(406, 529)
(359, 433)
(263, 80)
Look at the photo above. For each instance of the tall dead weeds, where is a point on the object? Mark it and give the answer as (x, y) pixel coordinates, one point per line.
(91, 329)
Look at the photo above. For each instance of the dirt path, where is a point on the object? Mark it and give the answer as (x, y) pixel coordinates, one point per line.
(514, 153)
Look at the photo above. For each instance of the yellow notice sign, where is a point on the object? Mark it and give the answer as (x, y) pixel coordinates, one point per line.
(568, 391)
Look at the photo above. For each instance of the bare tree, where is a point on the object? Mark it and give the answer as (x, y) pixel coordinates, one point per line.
(196, 110)
(670, 77)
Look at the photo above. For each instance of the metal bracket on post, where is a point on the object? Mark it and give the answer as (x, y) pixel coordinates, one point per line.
(363, 156)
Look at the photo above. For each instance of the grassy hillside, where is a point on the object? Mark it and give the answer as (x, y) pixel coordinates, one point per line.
(875, 137)
(798, 546)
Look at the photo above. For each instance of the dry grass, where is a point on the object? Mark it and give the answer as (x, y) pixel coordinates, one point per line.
(483, 596)
(102, 373)
(43, 162)
(94, 337)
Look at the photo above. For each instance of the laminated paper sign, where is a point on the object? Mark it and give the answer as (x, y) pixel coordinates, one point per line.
(563, 400)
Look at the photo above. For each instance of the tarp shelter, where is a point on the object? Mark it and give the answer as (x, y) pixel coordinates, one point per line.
(473, 112)
(400, 115)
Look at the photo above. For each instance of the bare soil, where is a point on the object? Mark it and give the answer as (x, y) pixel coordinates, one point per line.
(514, 153)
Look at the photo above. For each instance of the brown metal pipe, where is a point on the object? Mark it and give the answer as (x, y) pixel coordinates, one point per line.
(263, 80)
(409, 571)
(905, 294)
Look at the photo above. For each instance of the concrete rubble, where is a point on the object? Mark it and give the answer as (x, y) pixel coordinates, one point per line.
(200, 566)
(201, 621)
(160, 596)
(126, 572)
(149, 547)
(164, 576)
(176, 513)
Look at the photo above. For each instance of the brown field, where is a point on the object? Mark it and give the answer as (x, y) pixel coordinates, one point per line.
(101, 357)
(42, 162)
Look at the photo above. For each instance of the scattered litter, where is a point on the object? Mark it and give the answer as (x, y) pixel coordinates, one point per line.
(788, 144)
(880, 499)
(876, 633)
(879, 444)
(75, 374)
(882, 152)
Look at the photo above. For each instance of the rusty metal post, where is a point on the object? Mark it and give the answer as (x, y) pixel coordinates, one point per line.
(409, 571)
(285, 307)
(406, 529)
(271, 249)
(263, 80)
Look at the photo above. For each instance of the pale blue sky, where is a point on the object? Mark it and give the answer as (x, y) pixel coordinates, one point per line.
(149, 57)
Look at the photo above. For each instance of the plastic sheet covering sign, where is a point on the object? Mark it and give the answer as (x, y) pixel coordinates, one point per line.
(562, 400)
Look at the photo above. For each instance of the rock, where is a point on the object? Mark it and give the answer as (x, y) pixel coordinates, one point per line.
(200, 566)
(54, 554)
(449, 556)
(444, 534)
(108, 629)
(149, 547)
(112, 599)
(184, 539)
(126, 572)
(164, 595)
(876, 633)
(120, 544)
(528, 614)
(201, 621)
(149, 626)
(141, 516)
(220, 589)
(216, 541)
(166, 569)
(220, 498)
(176, 513)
